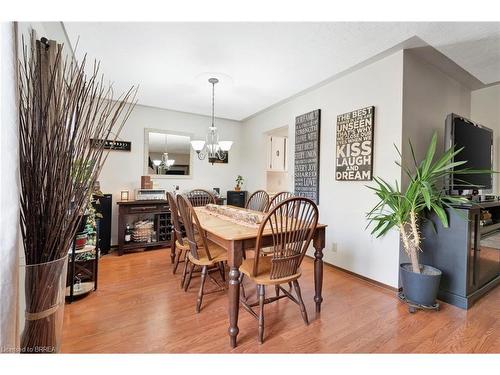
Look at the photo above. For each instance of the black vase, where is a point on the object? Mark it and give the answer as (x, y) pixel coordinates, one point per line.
(420, 288)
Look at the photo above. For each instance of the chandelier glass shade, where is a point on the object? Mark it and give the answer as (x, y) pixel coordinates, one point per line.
(211, 146)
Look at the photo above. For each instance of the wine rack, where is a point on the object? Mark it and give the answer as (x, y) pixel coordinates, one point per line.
(163, 226)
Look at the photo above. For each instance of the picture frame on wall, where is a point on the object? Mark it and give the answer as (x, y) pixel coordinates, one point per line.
(307, 152)
(225, 159)
(354, 145)
(111, 144)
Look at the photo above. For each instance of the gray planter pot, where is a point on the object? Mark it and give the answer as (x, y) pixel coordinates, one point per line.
(420, 288)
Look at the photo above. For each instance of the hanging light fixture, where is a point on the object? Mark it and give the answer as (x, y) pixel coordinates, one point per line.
(165, 162)
(211, 146)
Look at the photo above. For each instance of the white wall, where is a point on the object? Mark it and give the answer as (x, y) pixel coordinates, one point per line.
(49, 30)
(9, 190)
(343, 205)
(485, 109)
(429, 95)
(123, 170)
(276, 181)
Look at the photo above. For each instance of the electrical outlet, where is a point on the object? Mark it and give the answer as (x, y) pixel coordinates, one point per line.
(333, 247)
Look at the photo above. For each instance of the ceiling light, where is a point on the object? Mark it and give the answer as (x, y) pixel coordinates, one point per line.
(212, 147)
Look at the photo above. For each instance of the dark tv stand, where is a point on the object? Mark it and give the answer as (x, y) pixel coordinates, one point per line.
(468, 252)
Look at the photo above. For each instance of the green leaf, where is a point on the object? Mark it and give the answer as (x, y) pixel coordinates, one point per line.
(427, 198)
(441, 213)
(429, 156)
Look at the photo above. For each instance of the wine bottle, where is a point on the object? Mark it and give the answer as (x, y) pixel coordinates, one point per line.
(128, 234)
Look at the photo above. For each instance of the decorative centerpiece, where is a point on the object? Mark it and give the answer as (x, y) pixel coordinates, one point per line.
(238, 215)
(62, 106)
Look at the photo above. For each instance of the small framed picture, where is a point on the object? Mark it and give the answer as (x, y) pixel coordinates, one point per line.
(224, 160)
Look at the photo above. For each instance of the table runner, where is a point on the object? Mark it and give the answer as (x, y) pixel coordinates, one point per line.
(234, 215)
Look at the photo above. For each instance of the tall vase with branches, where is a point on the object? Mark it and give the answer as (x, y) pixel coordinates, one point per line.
(404, 210)
(61, 107)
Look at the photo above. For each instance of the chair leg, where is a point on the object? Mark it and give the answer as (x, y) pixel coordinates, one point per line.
(261, 290)
(277, 288)
(184, 272)
(290, 285)
(242, 288)
(200, 292)
(189, 275)
(301, 302)
(222, 271)
(177, 260)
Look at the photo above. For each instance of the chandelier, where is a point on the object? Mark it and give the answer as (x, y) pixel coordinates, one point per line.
(165, 163)
(211, 146)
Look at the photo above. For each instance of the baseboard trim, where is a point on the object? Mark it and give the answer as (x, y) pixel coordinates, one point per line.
(364, 278)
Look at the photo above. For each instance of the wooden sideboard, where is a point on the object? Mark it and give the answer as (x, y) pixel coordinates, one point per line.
(132, 211)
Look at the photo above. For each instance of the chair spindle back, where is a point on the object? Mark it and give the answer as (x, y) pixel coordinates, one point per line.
(192, 227)
(278, 198)
(175, 217)
(258, 201)
(292, 224)
(200, 197)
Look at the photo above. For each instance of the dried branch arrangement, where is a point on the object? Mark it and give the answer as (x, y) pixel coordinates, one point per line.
(60, 109)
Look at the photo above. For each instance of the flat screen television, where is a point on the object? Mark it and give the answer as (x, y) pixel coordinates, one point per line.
(477, 143)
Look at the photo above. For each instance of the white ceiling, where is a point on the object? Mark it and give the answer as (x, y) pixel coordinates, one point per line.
(260, 64)
(176, 144)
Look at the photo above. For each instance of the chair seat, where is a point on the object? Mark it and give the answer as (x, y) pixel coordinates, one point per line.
(264, 277)
(199, 241)
(218, 254)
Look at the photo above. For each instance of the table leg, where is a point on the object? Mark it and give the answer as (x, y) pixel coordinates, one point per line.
(319, 244)
(234, 260)
(234, 298)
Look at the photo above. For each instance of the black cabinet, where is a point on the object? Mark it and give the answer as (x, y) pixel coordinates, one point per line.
(103, 206)
(83, 263)
(468, 252)
(236, 198)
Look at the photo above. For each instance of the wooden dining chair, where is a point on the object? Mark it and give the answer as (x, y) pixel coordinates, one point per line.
(179, 240)
(258, 201)
(291, 224)
(208, 256)
(278, 198)
(200, 197)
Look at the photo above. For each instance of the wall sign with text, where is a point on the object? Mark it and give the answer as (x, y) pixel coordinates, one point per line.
(111, 145)
(355, 145)
(307, 137)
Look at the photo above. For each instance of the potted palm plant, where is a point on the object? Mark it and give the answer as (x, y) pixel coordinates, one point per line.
(406, 210)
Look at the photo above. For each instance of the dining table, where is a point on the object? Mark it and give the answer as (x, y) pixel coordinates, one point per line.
(236, 238)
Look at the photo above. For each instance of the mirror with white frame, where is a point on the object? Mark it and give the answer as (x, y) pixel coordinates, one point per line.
(167, 154)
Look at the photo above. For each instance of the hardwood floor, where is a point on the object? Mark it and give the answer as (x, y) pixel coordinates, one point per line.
(140, 308)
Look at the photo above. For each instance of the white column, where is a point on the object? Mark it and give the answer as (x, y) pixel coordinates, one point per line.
(9, 190)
